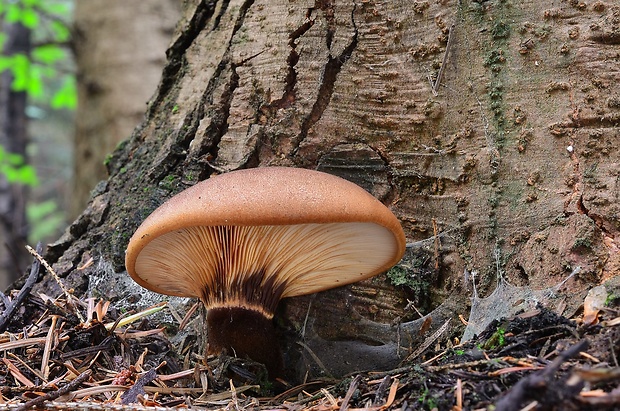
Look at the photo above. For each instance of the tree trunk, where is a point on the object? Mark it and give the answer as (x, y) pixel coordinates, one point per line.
(119, 49)
(13, 139)
(488, 127)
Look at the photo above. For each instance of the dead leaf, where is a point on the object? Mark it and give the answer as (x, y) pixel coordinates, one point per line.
(594, 301)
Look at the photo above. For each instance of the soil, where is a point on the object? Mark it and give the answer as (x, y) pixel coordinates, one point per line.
(536, 360)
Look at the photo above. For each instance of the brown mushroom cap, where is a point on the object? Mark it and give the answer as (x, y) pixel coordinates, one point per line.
(250, 237)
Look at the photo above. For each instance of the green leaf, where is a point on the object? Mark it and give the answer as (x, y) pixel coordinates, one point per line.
(48, 54)
(13, 13)
(27, 175)
(21, 72)
(60, 9)
(29, 18)
(8, 172)
(35, 82)
(45, 219)
(66, 96)
(31, 72)
(23, 175)
(14, 169)
(61, 31)
(14, 159)
(40, 210)
(32, 3)
(18, 12)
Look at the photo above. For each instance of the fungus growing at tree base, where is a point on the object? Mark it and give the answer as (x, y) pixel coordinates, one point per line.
(243, 240)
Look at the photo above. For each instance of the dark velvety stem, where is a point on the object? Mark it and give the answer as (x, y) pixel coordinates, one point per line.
(246, 334)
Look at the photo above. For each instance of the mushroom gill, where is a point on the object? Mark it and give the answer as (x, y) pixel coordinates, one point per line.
(255, 266)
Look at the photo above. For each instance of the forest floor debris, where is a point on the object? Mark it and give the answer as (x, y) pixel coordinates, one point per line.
(536, 360)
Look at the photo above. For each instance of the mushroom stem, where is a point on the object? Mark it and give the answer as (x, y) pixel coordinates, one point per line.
(244, 333)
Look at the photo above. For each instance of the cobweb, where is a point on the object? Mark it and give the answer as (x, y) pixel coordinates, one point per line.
(506, 301)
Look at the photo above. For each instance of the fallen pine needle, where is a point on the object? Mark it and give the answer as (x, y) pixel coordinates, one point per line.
(140, 334)
(593, 393)
(25, 342)
(350, 392)
(589, 357)
(392, 395)
(188, 315)
(90, 391)
(49, 342)
(514, 369)
(531, 406)
(458, 393)
(329, 397)
(17, 374)
(220, 396)
(25, 365)
(134, 317)
(181, 374)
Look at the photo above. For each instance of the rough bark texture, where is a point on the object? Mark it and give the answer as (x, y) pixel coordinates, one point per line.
(510, 159)
(13, 139)
(119, 48)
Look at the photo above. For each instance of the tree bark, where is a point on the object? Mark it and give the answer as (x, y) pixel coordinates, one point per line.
(13, 139)
(488, 127)
(120, 52)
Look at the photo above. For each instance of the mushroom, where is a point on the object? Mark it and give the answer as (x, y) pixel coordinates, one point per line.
(243, 240)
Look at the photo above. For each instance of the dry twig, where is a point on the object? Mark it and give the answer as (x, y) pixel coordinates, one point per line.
(10, 307)
(427, 343)
(68, 295)
(50, 396)
(131, 395)
(533, 383)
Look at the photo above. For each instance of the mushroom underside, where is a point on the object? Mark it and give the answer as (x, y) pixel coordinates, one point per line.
(255, 266)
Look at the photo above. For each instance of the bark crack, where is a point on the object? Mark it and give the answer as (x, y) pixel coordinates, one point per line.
(218, 18)
(599, 220)
(224, 75)
(204, 12)
(392, 193)
(328, 80)
(219, 126)
(328, 8)
(288, 97)
(575, 200)
(175, 53)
